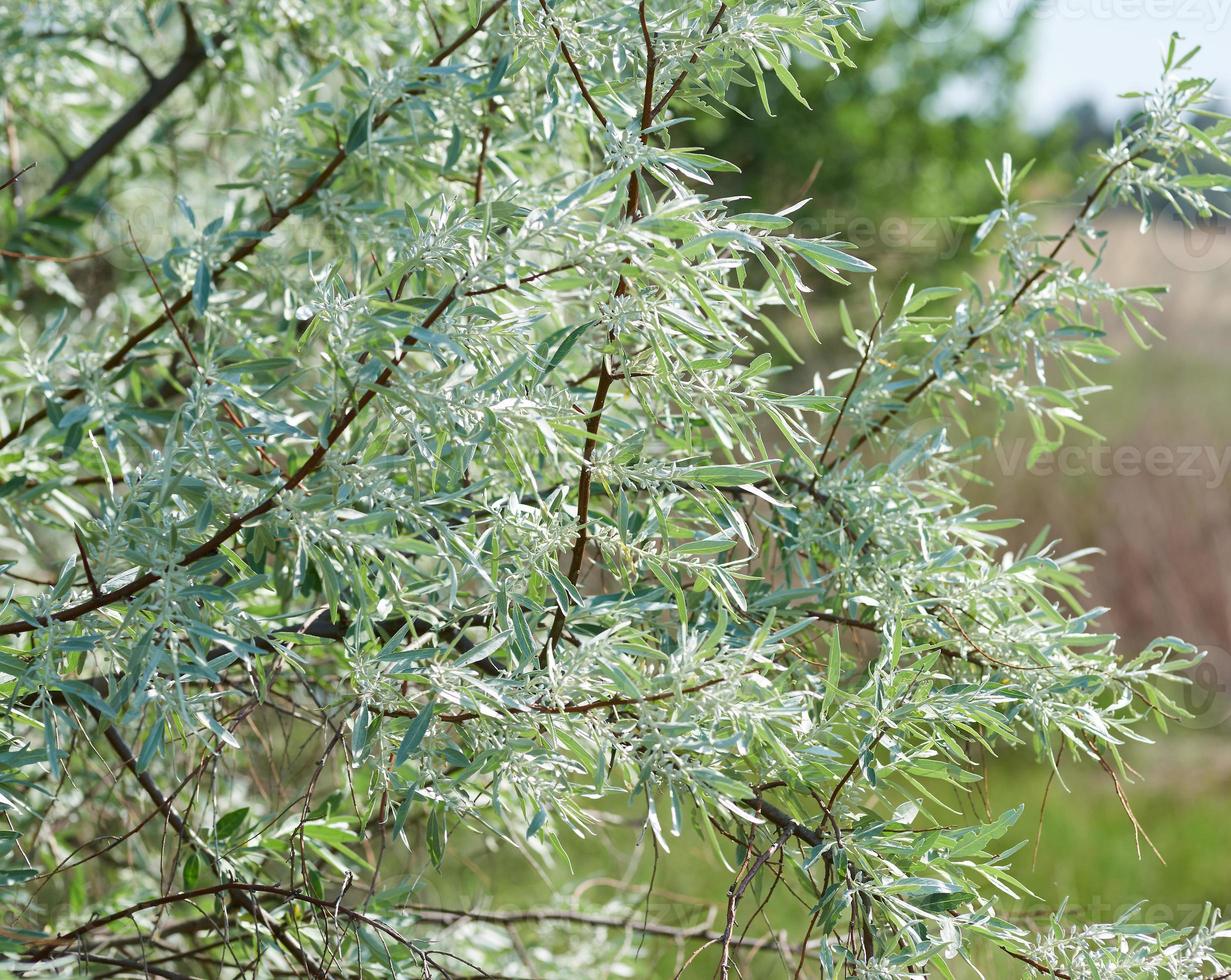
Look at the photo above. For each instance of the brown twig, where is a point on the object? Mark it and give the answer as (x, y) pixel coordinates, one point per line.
(679, 79)
(225, 405)
(532, 277)
(243, 891)
(189, 838)
(85, 562)
(594, 420)
(863, 361)
(783, 821)
(58, 259)
(572, 66)
(484, 140)
(1036, 965)
(582, 708)
(192, 55)
(1038, 831)
(101, 38)
(447, 916)
(736, 892)
(18, 175)
(1138, 830)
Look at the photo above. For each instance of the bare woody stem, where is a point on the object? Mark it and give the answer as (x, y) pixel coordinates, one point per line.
(606, 376)
(227, 409)
(236, 888)
(185, 834)
(9, 181)
(572, 66)
(679, 79)
(737, 892)
(863, 362)
(433, 914)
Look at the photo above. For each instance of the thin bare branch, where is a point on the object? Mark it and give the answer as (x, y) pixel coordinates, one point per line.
(572, 66)
(17, 176)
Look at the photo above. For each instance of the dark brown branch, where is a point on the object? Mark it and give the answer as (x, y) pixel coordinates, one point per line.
(243, 892)
(679, 79)
(427, 9)
(736, 892)
(100, 38)
(68, 863)
(85, 562)
(13, 146)
(572, 66)
(225, 405)
(446, 916)
(17, 176)
(1042, 968)
(190, 839)
(532, 277)
(605, 375)
(467, 34)
(485, 138)
(185, 834)
(143, 967)
(581, 708)
(783, 821)
(850, 772)
(192, 56)
(863, 362)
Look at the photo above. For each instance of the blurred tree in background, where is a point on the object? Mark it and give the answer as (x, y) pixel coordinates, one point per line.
(937, 93)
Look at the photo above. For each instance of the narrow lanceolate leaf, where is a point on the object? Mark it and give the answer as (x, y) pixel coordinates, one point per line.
(826, 257)
(201, 286)
(723, 476)
(414, 733)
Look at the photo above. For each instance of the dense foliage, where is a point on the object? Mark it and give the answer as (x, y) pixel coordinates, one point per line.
(388, 476)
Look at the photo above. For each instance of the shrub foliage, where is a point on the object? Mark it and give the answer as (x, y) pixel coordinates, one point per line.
(393, 470)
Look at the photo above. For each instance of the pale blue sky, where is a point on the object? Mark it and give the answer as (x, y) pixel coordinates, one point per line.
(1097, 48)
